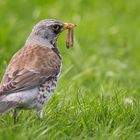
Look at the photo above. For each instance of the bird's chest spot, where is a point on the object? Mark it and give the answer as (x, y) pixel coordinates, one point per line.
(46, 91)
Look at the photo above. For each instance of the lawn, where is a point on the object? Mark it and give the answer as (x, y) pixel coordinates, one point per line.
(98, 95)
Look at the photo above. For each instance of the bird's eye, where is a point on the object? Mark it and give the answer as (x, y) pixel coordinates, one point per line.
(56, 27)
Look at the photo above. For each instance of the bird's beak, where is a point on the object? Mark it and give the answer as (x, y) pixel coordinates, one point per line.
(68, 26)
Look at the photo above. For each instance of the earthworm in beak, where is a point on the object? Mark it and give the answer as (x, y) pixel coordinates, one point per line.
(69, 34)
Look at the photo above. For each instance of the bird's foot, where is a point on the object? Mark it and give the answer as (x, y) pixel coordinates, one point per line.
(40, 114)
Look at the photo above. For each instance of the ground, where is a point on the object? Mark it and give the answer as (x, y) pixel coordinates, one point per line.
(97, 97)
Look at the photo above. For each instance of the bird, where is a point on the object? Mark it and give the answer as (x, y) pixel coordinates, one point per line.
(33, 72)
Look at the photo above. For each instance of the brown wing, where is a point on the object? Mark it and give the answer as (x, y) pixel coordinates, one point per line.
(29, 67)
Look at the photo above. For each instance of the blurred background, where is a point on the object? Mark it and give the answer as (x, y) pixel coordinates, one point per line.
(106, 50)
(98, 92)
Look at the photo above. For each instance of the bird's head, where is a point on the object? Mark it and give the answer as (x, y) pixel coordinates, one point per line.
(49, 29)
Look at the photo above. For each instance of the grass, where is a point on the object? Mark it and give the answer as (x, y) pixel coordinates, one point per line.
(97, 96)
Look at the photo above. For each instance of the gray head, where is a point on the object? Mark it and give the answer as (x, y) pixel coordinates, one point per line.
(46, 32)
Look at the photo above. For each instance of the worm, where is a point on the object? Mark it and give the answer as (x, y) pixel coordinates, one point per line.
(72, 40)
(68, 38)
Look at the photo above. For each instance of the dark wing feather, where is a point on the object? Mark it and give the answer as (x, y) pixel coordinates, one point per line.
(20, 82)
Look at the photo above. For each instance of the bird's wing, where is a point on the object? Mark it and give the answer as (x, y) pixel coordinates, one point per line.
(28, 68)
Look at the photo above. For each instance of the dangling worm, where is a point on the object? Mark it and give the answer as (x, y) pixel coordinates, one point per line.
(68, 38)
(72, 39)
(69, 35)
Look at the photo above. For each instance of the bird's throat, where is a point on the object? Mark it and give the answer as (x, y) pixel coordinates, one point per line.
(36, 40)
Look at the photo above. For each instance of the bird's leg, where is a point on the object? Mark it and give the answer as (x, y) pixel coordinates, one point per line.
(40, 114)
(15, 113)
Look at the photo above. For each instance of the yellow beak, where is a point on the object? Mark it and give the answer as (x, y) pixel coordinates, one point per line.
(69, 26)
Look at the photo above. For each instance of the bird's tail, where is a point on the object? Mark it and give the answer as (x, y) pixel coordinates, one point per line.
(6, 106)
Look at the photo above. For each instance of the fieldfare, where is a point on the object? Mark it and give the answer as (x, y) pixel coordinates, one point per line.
(33, 72)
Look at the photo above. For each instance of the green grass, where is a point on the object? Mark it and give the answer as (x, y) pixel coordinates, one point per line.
(98, 95)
